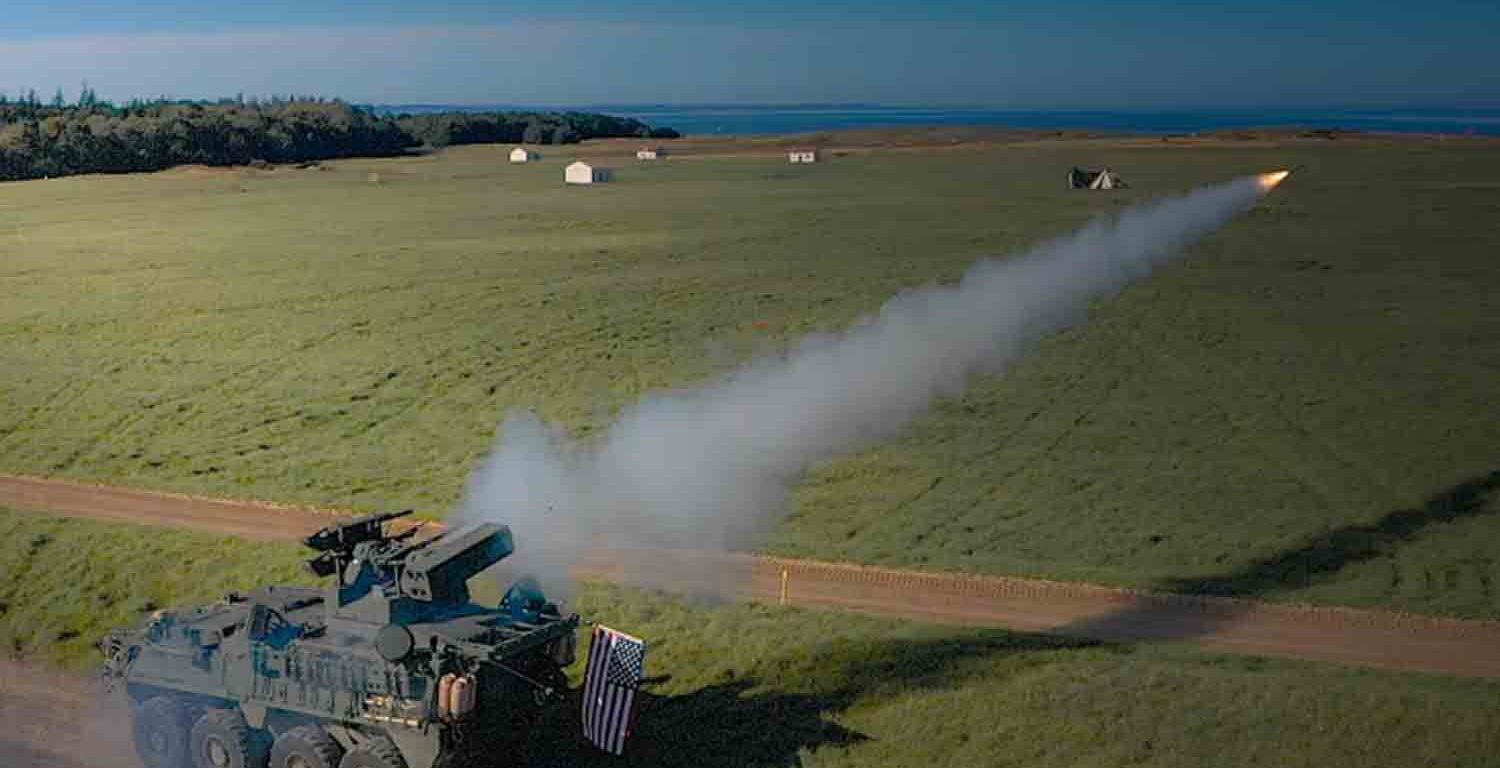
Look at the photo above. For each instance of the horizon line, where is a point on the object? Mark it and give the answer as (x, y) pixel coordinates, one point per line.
(917, 106)
(630, 106)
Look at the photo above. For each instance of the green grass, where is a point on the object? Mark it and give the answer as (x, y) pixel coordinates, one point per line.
(1273, 416)
(64, 582)
(758, 685)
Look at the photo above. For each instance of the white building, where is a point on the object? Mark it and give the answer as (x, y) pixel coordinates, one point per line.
(649, 153)
(802, 156)
(523, 155)
(583, 173)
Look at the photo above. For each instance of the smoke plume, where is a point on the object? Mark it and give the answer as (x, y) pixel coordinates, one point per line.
(713, 466)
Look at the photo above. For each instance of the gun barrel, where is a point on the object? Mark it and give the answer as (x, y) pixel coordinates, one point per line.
(384, 516)
(351, 532)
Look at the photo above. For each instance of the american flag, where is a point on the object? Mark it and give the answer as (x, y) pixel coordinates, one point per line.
(617, 662)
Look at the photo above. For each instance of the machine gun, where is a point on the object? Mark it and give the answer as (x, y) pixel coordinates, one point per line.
(336, 544)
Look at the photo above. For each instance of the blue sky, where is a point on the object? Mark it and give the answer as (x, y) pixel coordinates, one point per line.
(1026, 55)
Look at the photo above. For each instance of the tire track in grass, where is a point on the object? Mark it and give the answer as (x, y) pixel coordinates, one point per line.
(128, 419)
(1319, 450)
(1109, 390)
(46, 405)
(1294, 471)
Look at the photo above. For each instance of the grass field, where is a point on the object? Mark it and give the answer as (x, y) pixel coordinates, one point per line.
(65, 582)
(748, 685)
(1302, 409)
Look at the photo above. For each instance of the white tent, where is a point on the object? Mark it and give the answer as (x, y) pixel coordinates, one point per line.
(1106, 180)
(523, 155)
(583, 173)
(1083, 178)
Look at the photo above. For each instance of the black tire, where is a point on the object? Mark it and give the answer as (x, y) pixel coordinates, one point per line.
(222, 739)
(376, 753)
(306, 746)
(161, 730)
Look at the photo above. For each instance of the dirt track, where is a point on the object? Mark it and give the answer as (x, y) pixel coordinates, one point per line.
(44, 714)
(127, 505)
(1348, 636)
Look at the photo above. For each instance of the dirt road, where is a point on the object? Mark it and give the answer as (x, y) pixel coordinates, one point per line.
(1347, 636)
(251, 520)
(45, 712)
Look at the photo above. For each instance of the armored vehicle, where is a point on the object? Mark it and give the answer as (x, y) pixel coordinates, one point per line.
(391, 665)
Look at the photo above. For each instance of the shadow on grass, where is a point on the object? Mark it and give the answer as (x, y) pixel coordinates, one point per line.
(771, 720)
(1316, 561)
(1327, 554)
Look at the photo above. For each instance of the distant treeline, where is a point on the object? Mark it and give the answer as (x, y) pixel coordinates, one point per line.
(440, 129)
(57, 139)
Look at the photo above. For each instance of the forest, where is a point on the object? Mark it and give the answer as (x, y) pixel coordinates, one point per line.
(439, 129)
(44, 139)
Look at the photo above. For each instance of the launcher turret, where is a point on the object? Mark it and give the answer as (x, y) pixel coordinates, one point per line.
(382, 577)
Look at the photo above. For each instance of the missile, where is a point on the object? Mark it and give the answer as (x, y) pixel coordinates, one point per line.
(1268, 181)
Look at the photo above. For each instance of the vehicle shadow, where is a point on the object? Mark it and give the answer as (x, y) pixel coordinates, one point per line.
(773, 720)
(1193, 607)
(1325, 555)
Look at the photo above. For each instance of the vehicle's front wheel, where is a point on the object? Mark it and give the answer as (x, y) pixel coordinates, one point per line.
(161, 730)
(222, 739)
(306, 746)
(374, 754)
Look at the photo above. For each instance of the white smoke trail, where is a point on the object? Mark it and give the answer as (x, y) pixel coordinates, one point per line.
(713, 466)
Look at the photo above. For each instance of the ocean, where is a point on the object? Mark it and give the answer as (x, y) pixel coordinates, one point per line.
(725, 120)
(734, 120)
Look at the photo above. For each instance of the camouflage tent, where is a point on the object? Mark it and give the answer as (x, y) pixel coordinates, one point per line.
(1083, 178)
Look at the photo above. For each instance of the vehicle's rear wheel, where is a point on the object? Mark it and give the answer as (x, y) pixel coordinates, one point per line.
(306, 746)
(161, 731)
(374, 754)
(222, 739)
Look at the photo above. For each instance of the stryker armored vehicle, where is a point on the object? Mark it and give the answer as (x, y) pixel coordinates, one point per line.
(392, 665)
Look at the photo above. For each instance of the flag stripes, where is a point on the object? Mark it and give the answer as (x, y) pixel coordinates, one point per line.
(615, 667)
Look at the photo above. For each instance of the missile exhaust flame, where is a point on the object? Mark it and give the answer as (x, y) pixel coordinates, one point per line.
(1268, 181)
